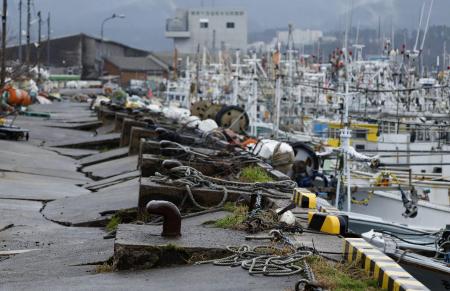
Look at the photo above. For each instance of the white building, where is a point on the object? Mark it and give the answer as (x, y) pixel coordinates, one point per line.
(300, 36)
(212, 28)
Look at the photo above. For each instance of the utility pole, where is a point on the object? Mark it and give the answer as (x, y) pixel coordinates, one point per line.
(3, 69)
(20, 31)
(28, 32)
(48, 40)
(38, 57)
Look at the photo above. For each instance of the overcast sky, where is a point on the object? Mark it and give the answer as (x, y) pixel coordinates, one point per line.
(145, 19)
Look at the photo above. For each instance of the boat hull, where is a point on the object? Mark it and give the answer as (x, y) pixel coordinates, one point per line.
(432, 278)
(389, 207)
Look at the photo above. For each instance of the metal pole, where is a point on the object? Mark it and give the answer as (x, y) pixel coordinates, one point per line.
(28, 32)
(38, 57)
(102, 46)
(236, 80)
(346, 131)
(102, 41)
(197, 72)
(290, 72)
(278, 97)
(102, 27)
(444, 56)
(20, 31)
(3, 71)
(48, 40)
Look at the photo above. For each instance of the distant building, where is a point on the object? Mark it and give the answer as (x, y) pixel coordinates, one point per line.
(300, 37)
(212, 28)
(135, 68)
(78, 54)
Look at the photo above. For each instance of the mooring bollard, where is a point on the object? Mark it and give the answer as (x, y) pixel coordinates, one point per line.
(171, 215)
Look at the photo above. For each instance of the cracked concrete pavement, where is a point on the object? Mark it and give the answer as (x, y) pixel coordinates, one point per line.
(49, 234)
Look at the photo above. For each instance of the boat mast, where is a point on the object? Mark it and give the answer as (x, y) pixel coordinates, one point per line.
(290, 71)
(346, 133)
(236, 79)
(188, 84)
(197, 72)
(426, 26)
(252, 101)
(418, 29)
(278, 92)
(204, 73)
(444, 56)
(424, 37)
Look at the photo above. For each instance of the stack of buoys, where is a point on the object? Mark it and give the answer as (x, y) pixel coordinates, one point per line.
(279, 154)
(16, 97)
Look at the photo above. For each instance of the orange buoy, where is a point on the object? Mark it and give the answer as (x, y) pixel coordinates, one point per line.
(16, 97)
(249, 141)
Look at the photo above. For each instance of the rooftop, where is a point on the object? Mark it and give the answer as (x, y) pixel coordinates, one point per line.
(149, 63)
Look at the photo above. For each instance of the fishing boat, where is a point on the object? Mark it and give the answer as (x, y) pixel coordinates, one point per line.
(425, 255)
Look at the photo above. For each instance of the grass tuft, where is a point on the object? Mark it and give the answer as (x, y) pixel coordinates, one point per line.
(229, 206)
(253, 174)
(104, 268)
(341, 276)
(113, 223)
(234, 220)
(173, 247)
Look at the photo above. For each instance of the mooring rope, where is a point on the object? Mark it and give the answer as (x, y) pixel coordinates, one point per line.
(270, 261)
(184, 175)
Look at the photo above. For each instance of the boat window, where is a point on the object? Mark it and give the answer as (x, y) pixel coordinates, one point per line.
(360, 133)
(420, 135)
(437, 170)
(427, 134)
(360, 147)
(332, 133)
(390, 128)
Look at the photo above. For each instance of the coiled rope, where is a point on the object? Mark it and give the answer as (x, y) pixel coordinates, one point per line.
(263, 260)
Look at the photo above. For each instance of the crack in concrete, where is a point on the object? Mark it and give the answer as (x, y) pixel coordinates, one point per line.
(44, 204)
(97, 223)
(4, 258)
(108, 261)
(86, 174)
(99, 187)
(7, 227)
(66, 155)
(27, 199)
(35, 174)
(79, 167)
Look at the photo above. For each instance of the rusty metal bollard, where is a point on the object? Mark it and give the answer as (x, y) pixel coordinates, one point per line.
(171, 215)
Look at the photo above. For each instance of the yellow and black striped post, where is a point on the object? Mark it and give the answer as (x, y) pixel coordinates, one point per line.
(304, 198)
(387, 272)
(328, 223)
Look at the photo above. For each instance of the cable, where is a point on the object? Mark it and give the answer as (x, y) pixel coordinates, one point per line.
(405, 240)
